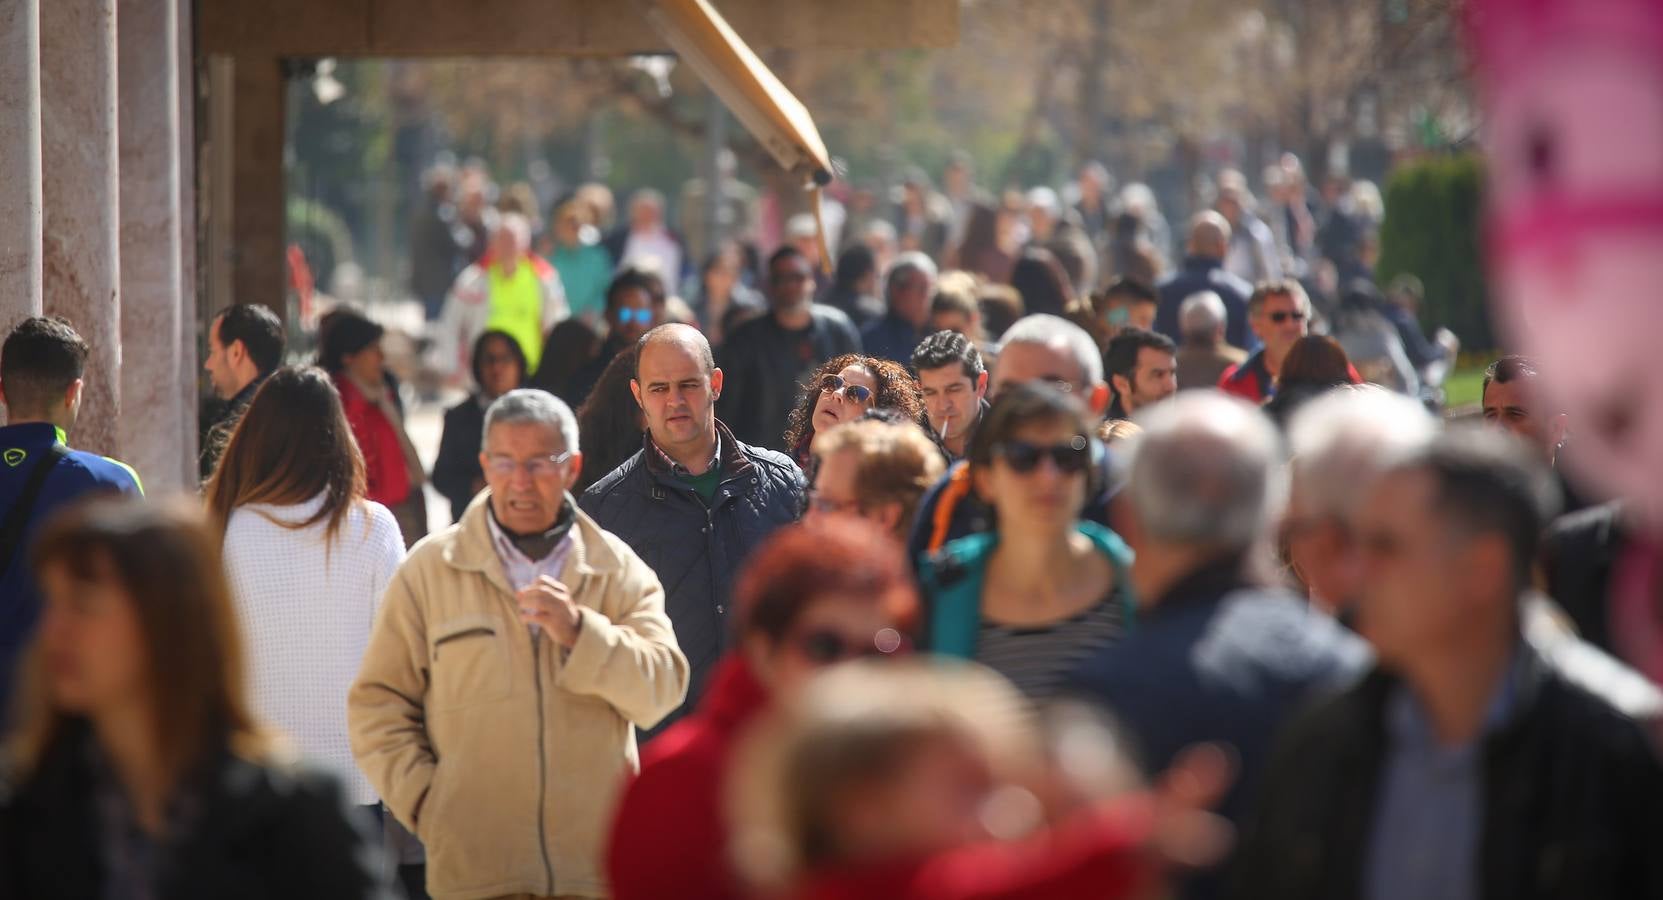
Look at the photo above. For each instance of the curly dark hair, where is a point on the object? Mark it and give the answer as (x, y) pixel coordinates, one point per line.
(897, 390)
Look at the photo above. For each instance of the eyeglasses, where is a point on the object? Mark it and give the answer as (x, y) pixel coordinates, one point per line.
(821, 503)
(1283, 315)
(628, 314)
(824, 646)
(536, 467)
(1023, 457)
(834, 384)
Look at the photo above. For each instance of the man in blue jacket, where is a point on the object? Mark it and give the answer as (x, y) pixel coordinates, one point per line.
(694, 501)
(1203, 270)
(41, 364)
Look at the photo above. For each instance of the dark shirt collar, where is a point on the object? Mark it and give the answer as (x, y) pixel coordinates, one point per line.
(536, 546)
(1208, 582)
(30, 433)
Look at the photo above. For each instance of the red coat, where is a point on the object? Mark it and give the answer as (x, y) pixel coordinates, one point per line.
(387, 479)
(1095, 857)
(669, 838)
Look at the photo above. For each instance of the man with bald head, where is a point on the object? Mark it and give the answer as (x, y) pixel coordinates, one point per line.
(694, 501)
(1203, 270)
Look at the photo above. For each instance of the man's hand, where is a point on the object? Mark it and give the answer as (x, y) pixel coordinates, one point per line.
(549, 605)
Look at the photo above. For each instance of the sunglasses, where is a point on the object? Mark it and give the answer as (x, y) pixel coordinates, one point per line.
(824, 647)
(834, 384)
(1281, 316)
(627, 315)
(1023, 457)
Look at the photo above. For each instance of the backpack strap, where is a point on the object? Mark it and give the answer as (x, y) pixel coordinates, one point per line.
(17, 518)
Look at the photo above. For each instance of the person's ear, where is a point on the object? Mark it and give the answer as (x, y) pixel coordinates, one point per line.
(72, 394)
(576, 464)
(1098, 399)
(236, 352)
(715, 384)
(635, 390)
(484, 463)
(981, 385)
(1122, 386)
(886, 515)
(1559, 428)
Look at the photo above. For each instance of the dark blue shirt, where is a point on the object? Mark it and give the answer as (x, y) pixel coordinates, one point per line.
(892, 338)
(1197, 274)
(77, 474)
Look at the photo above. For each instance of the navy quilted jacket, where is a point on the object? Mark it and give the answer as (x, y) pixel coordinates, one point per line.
(697, 549)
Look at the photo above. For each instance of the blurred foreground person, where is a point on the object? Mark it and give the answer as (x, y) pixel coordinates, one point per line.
(351, 353)
(924, 782)
(137, 769)
(692, 500)
(874, 470)
(1043, 591)
(1341, 443)
(41, 365)
(1468, 764)
(498, 367)
(307, 557)
(812, 596)
(512, 658)
(843, 389)
(1216, 656)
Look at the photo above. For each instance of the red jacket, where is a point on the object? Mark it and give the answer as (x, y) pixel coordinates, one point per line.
(669, 838)
(1251, 381)
(387, 479)
(1095, 857)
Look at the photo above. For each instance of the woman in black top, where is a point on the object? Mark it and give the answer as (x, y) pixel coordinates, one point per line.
(498, 367)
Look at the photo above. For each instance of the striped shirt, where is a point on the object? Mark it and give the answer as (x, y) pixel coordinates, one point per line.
(1038, 659)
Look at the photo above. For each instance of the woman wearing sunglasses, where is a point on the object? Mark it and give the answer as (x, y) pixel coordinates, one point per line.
(1044, 590)
(813, 595)
(842, 391)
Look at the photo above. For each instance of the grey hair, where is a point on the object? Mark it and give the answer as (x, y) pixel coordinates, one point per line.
(530, 405)
(910, 261)
(1047, 330)
(1345, 439)
(1201, 315)
(1206, 471)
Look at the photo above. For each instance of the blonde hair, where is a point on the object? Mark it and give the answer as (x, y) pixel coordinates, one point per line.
(895, 463)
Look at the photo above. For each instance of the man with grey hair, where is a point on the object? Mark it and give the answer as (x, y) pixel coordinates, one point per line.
(511, 290)
(1039, 347)
(1203, 354)
(1217, 657)
(1341, 442)
(512, 654)
(908, 286)
(1203, 270)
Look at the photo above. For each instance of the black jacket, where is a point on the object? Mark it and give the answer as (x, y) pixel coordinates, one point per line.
(218, 433)
(697, 549)
(457, 466)
(764, 367)
(1577, 555)
(1572, 797)
(257, 832)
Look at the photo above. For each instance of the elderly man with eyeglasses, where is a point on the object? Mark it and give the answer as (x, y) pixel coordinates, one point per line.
(511, 660)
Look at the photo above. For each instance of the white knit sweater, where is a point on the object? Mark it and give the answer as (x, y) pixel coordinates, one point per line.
(306, 608)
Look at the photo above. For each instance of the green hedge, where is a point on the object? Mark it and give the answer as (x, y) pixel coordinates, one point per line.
(1433, 211)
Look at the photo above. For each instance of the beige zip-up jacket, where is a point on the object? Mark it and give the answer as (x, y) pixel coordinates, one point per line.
(504, 751)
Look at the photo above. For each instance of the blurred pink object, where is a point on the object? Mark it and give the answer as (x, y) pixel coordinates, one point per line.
(1573, 104)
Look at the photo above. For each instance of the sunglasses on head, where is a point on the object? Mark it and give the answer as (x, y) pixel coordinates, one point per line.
(1023, 457)
(824, 647)
(630, 314)
(1283, 315)
(834, 384)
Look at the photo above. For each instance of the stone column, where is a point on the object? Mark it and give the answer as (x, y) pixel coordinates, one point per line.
(151, 278)
(20, 216)
(190, 365)
(257, 217)
(78, 151)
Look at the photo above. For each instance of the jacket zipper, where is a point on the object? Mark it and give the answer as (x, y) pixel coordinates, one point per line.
(542, 762)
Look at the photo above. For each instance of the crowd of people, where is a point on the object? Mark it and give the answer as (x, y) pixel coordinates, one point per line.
(1003, 564)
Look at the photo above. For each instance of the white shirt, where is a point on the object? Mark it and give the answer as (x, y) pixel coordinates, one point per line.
(306, 607)
(655, 251)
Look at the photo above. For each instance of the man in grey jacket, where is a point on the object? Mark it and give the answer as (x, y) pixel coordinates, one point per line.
(694, 501)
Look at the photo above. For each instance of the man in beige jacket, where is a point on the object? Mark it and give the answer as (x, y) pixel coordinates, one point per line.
(510, 657)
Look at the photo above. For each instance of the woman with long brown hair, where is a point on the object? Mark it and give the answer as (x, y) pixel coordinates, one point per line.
(842, 390)
(307, 556)
(137, 768)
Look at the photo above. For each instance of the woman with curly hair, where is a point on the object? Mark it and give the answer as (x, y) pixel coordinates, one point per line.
(842, 390)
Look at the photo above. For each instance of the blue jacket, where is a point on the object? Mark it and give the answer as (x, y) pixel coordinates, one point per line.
(890, 337)
(75, 475)
(1199, 274)
(695, 548)
(1219, 659)
(953, 581)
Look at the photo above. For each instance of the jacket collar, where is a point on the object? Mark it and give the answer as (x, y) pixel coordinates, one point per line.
(1202, 263)
(1254, 365)
(469, 546)
(730, 456)
(1213, 579)
(30, 434)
